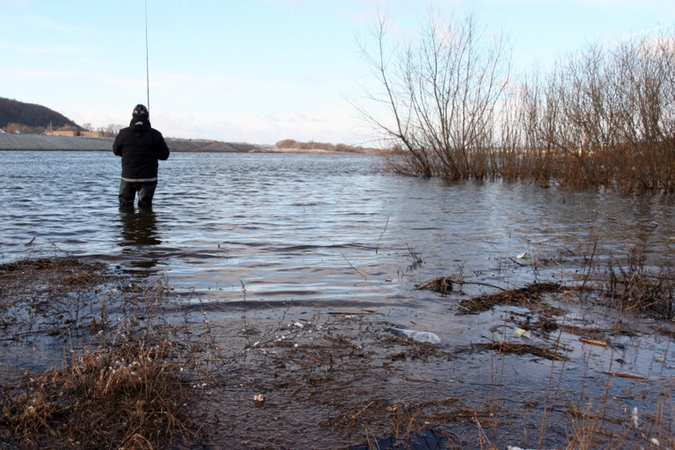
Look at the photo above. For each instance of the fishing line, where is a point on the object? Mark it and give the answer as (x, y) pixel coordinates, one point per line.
(147, 58)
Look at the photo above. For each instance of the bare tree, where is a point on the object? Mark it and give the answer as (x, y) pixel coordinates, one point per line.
(441, 97)
(111, 130)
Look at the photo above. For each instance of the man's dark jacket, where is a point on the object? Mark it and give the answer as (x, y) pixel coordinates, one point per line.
(140, 147)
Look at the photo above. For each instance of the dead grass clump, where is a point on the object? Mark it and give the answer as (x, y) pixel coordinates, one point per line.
(120, 396)
(126, 382)
(47, 274)
(51, 298)
(64, 266)
(633, 288)
(525, 296)
(415, 350)
(521, 349)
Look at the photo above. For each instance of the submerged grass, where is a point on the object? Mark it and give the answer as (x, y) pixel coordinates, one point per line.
(124, 379)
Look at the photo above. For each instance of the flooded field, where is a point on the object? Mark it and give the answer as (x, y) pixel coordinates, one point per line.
(301, 265)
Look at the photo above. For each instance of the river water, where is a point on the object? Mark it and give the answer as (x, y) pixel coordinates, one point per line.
(315, 228)
(334, 232)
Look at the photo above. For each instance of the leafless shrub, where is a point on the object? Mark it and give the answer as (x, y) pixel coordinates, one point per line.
(602, 118)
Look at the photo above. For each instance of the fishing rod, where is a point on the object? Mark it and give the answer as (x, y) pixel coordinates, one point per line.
(147, 58)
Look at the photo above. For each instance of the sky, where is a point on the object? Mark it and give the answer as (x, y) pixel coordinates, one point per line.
(260, 71)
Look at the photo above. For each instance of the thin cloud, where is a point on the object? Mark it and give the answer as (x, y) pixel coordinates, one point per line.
(15, 3)
(52, 49)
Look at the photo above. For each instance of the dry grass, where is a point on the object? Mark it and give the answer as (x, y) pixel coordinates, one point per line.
(127, 395)
(124, 381)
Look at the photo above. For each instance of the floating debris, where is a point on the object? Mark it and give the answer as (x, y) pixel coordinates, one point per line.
(593, 342)
(520, 349)
(441, 285)
(634, 418)
(625, 375)
(525, 334)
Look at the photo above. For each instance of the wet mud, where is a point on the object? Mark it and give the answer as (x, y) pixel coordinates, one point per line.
(540, 366)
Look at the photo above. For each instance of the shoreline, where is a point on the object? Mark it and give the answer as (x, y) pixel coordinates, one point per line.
(18, 142)
(30, 142)
(284, 376)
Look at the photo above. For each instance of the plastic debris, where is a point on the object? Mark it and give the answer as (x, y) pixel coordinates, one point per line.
(258, 398)
(525, 334)
(634, 418)
(418, 336)
(524, 255)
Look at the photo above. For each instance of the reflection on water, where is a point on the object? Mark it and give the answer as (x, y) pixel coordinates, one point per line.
(314, 227)
(139, 231)
(139, 228)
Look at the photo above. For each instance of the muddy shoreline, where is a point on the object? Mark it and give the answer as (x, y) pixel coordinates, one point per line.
(536, 367)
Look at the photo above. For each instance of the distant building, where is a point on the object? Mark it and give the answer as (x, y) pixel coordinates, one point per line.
(91, 133)
(64, 133)
(74, 133)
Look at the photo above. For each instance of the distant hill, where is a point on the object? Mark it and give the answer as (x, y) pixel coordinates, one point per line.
(31, 116)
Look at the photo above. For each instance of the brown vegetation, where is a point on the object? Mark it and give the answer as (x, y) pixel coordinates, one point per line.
(604, 118)
(122, 380)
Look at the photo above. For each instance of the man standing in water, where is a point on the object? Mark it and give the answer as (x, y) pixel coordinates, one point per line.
(141, 147)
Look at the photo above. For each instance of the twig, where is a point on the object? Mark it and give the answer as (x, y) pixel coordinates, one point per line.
(477, 283)
(350, 264)
(625, 375)
(316, 360)
(377, 246)
(419, 380)
(244, 317)
(593, 342)
(358, 413)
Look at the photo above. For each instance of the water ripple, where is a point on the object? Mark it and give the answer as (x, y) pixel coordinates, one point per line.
(311, 228)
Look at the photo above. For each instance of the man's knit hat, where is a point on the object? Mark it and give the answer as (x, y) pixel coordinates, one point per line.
(141, 112)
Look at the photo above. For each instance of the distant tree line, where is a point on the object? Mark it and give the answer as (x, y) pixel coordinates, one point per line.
(311, 145)
(111, 130)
